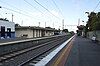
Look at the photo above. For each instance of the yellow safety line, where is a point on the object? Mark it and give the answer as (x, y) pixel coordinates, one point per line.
(59, 59)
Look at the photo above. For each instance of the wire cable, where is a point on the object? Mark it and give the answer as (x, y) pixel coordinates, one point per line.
(43, 14)
(15, 8)
(57, 7)
(17, 12)
(12, 6)
(33, 6)
(1, 15)
(96, 6)
(46, 9)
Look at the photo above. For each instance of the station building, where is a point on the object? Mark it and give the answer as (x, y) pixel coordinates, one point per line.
(33, 31)
(7, 29)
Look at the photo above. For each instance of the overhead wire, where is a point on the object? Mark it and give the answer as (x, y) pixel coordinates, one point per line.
(20, 10)
(46, 3)
(43, 14)
(57, 8)
(96, 6)
(17, 12)
(33, 6)
(45, 9)
(12, 6)
(50, 5)
(1, 15)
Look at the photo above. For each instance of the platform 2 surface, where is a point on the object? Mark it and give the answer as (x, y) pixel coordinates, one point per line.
(83, 52)
(11, 40)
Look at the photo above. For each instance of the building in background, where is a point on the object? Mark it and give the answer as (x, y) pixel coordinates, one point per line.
(33, 31)
(7, 29)
(80, 31)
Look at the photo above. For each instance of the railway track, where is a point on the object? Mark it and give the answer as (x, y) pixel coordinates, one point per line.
(29, 56)
(33, 61)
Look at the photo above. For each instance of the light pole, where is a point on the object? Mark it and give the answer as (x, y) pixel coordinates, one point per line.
(11, 15)
(39, 24)
(83, 23)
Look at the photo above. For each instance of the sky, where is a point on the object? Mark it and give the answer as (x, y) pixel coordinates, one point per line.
(49, 13)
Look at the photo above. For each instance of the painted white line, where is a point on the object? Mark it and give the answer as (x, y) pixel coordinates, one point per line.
(32, 64)
(46, 59)
(35, 61)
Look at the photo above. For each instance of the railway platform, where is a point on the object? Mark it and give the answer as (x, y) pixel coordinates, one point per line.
(74, 51)
(11, 40)
(79, 52)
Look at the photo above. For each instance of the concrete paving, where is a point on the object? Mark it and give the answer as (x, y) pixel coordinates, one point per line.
(84, 53)
(11, 39)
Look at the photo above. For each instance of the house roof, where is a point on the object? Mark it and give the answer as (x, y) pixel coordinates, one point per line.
(34, 27)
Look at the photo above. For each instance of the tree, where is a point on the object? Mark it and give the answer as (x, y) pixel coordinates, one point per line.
(65, 30)
(72, 32)
(98, 21)
(17, 25)
(4, 19)
(93, 21)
